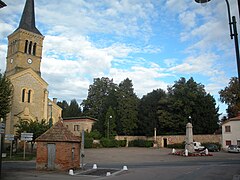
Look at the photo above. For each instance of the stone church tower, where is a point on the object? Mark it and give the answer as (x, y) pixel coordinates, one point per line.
(30, 99)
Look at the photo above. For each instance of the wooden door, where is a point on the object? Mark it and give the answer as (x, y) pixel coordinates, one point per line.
(51, 156)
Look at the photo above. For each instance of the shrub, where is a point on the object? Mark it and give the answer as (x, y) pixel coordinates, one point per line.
(122, 143)
(88, 142)
(140, 143)
(105, 142)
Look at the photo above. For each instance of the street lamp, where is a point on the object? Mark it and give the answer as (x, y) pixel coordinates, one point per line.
(233, 31)
(110, 117)
(50, 120)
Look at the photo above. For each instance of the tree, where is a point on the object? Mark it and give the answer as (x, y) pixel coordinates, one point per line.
(35, 127)
(6, 92)
(64, 105)
(147, 115)
(188, 99)
(127, 108)
(101, 95)
(74, 110)
(230, 95)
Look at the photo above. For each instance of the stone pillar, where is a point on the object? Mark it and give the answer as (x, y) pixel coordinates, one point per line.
(189, 138)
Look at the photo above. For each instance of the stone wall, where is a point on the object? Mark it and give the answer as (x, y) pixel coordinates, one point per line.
(163, 141)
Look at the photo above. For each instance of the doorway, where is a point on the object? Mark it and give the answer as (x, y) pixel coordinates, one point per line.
(51, 156)
(165, 142)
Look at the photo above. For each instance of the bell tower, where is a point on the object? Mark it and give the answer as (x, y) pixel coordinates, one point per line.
(25, 44)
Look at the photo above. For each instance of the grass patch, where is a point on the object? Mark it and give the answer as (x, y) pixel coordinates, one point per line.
(19, 157)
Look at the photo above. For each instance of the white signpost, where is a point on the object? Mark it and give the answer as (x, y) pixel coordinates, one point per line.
(10, 137)
(26, 137)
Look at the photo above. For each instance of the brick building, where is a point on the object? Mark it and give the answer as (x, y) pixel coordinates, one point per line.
(58, 149)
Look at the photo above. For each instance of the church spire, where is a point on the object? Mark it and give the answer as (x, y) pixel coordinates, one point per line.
(28, 18)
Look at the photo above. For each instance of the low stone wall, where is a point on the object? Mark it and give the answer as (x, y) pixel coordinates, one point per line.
(163, 141)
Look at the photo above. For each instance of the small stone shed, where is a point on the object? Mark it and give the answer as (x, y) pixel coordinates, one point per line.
(58, 149)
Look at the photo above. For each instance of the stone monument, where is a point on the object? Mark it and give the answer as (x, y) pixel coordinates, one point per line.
(189, 138)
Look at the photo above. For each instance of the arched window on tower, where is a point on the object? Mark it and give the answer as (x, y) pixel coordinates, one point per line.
(29, 96)
(26, 46)
(23, 95)
(34, 48)
(30, 48)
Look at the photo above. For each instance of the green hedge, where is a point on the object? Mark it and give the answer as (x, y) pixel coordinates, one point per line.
(88, 142)
(140, 143)
(177, 145)
(105, 142)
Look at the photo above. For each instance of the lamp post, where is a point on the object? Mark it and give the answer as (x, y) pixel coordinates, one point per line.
(50, 120)
(110, 117)
(233, 31)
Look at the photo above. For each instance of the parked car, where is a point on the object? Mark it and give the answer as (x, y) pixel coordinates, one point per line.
(233, 148)
(198, 146)
(212, 147)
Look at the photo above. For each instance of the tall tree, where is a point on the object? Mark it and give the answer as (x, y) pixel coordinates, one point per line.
(188, 99)
(64, 105)
(98, 101)
(74, 110)
(231, 96)
(127, 108)
(6, 91)
(147, 115)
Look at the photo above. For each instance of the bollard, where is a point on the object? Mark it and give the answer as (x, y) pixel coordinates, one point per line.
(125, 168)
(94, 166)
(186, 152)
(206, 151)
(173, 151)
(71, 172)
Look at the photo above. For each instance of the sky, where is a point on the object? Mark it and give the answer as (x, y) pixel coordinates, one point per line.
(152, 42)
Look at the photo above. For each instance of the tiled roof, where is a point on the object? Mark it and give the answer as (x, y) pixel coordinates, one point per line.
(237, 118)
(58, 133)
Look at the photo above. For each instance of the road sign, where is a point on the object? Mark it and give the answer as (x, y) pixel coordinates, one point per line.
(26, 136)
(9, 137)
(2, 125)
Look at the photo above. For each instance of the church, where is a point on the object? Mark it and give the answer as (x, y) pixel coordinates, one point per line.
(23, 68)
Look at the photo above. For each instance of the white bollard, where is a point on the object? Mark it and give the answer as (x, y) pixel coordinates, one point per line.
(71, 172)
(94, 166)
(186, 152)
(206, 151)
(125, 168)
(173, 151)
(108, 174)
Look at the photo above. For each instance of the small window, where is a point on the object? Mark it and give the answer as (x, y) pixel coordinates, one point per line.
(30, 48)
(227, 128)
(228, 142)
(29, 96)
(23, 95)
(238, 142)
(34, 48)
(76, 127)
(26, 46)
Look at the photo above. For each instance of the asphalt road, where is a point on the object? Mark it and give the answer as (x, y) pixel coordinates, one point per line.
(142, 164)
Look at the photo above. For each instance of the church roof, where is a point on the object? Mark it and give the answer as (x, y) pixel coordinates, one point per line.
(58, 133)
(28, 18)
(2, 4)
